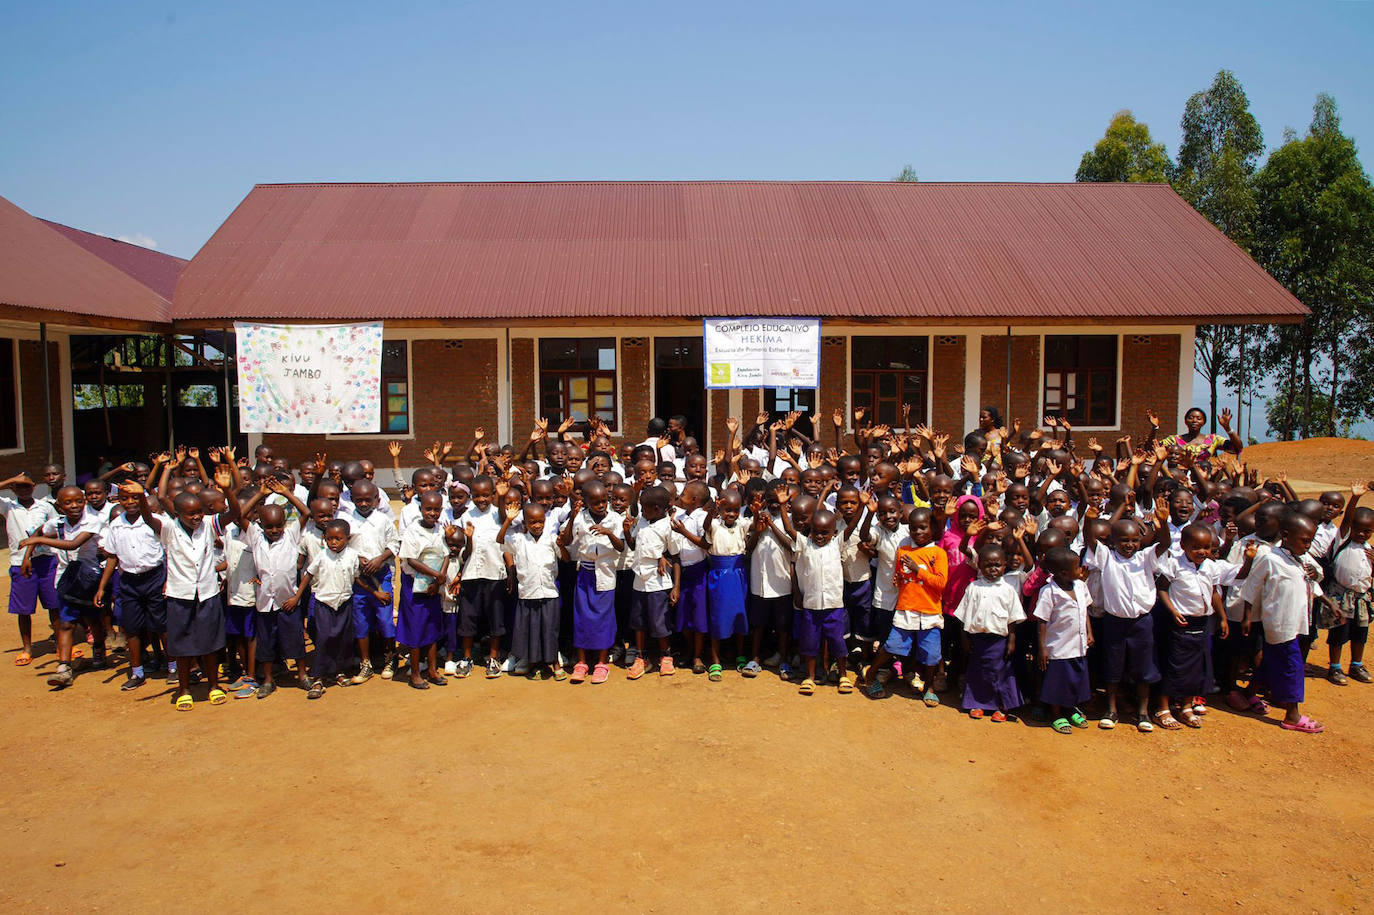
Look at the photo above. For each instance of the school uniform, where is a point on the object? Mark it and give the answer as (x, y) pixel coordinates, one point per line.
(240, 593)
(1128, 596)
(420, 620)
(534, 635)
(988, 610)
(1186, 649)
(693, 613)
(1065, 614)
(1238, 644)
(77, 571)
(651, 589)
(331, 585)
(448, 604)
(820, 577)
(195, 613)
(1351, 592)
(865, 622)
(143, 573)
(482, 600)
(1280, 596)
(280, 632)
(770, 584)
(726, 582)
(370, 536)
(594, 598)
(26, 591)
(885, 544)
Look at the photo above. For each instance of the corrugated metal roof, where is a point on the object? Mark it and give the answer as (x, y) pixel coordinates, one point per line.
(154, 269)
(42, 269)
(688, 249)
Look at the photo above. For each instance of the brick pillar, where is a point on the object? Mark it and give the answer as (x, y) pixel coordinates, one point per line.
(947, 384)
(1149, 381)
(1025, 377)
(523, 404)
(635, 366)
(834, 389)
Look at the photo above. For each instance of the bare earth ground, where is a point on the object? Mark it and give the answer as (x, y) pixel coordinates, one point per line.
(662, 795)
(1315, 464)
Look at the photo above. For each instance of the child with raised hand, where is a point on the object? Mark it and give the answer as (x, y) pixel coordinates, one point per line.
(534, 553)
(866, 625)
(135, 548)
(1349, 589)
(920, 572)
(1278, 593)
(726, 583)
(24, 517)
(1128, 570)
(648, 542)
(275, 543)
(1061, 610)
(240, 611)
(770, 584)
(819, 577)
(1191, 598)
(693, 615)
(424, 565)
(592, 538)
(988, 611)
(373, 536)
(1241, 648)
(73, 536)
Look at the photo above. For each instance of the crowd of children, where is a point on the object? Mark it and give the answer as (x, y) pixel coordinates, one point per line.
(1009, 574)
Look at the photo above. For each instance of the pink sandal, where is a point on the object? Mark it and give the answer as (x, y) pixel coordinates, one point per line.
(579, 673)
(1304, 724)
(600, 673)
(1259, 706)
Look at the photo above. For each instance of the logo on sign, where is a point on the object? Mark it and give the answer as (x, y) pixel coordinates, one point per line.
(720, 373)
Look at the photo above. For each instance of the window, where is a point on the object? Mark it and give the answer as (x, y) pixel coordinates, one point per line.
(395, 388)
(1080, 379)
(781, 401)
(577, 379)
(9, 396)
(889, 372)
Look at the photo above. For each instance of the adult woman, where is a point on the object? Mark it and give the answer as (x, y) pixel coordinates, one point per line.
(990, 424)
(1202, 446)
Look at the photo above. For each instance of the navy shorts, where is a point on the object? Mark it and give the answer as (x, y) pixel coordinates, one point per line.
(142, 606)
(281, 635)
(481, 608)
(76, 592)
(769, 612)
(1128, 649)
(649, 613)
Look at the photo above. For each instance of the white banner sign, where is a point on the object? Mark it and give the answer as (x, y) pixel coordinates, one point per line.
(309, 377)
(762, 352)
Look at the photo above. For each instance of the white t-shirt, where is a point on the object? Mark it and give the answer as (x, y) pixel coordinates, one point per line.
(21, 522)
(332, 574)
(595, 548)
(770, 567)
(1351, 568)
(820, 574)
(652, 540)
(1128, 584)
(62, 529)
(191, 571)
(239, 573)
(689, 553)
(276, 565)
(426, 545)
(1065, 614)
(1279, 593)
(990, 607)
(134, 546)
(536, 563)
(886, 544)
(484, 562)
(1191, 586)
(858, 565)
(728, 541)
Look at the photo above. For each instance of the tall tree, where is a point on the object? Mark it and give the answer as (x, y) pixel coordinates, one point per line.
(907, 174)
(1126, 152)
(1316, 236)
(1217, 159)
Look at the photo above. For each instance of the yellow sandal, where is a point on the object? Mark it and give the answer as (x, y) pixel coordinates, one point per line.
(185, 703)
(217, 697)
(846, 684)
(808, 686)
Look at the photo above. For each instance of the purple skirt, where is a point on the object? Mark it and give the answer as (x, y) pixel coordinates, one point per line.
(988, 682)
(1066, 683)
(420, 621)
(593, 613)
(692, 614)
(1281, 670)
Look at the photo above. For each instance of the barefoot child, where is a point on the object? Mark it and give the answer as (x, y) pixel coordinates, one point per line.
(74, 536)
(1061, 611)
(989, 609)
(24, 517)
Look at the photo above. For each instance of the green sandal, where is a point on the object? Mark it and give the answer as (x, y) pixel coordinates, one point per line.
(930, 699)
(1062, 726)
(714, 674)
(1078, 720)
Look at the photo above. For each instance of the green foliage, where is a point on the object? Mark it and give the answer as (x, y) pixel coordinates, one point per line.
(907, 174)
(1284, 416)
(1125, 153)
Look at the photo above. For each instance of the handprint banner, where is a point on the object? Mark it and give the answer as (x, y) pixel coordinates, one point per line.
(309, 378)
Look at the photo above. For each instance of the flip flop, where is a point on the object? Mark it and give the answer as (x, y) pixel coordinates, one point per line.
(1304, 725)
(185, 703)
(421, 685)
(1190, 717)
(714, 673)
(1000, 715)
(1144, 726)
(1259, 706)
(24, 659)
(217, 697)
(1167, 720)
(698, 667)
(875, 690)
(1061, 726)
(1107, 722)
(975, 713)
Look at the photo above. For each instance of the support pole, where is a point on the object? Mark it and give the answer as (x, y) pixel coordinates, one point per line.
(1006, 417)
(167, 353)
(47, 396)
(228, 414)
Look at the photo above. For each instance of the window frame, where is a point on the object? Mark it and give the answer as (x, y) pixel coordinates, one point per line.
(924, 372)
(590, 374)
(407, 342)
(18, 447)
(1115, 400)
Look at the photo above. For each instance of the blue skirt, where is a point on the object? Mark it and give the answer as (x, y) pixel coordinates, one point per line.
(989, 683)
(593, 613)
(726, 589)
(691, 603)
(1066, 683)
(1282, 671)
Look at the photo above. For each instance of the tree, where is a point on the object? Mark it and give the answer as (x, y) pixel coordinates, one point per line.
(1316, 236)
(1217, 158)
(907, 174)
(1283, 416)
(1125, 153)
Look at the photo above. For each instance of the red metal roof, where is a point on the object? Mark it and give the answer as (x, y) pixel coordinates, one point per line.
(154, 269)
(41, 269)
(687, 249)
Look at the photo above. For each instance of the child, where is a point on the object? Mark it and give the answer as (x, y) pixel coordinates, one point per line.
(920, 572)
(1061, 611)
(989, 609)
(692, 609)
(331, 577)
(819, 577)
(24, 517)
(1128, 596)
(1350, 591)
(276, 546)
(592, 539)
(726, 585)
(424, 565)
(881, 544)
(864, 621)
(240, 611)
(74, 536)
(1278, 593)
(1241, 647)
(481, 603)
(647, 542)
(373, 536)
(133, 546)
(534, 553)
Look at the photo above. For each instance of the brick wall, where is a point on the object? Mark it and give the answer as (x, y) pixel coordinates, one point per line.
(834, 389)
(30, 377)
(635, 407)
(719, 408)
(1025, 378)
(751, 399)
(524, 406)
(947, 362)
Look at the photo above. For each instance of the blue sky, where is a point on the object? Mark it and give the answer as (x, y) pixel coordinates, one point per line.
(151, 121)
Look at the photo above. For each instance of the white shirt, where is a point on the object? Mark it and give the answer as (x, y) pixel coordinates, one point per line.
(425, 544)
(1351, 569)
(1325, 538)
(484, 562)
(276, 564)
(62, 529)
(21, 522)
(332, 574)
(589, 546)
(886, 543)
(1279, 593)
(134, 546)
(728, 541)
(689, 553)
(651, 544)
(820, 574)
(1191, 586)
(1065, 615)
(770, 567)
(536, 562)
(373, 535)
(190, 558)
(858, 565)
(1233, 601)
(1128, 585)
(990, 607)
(239, 589)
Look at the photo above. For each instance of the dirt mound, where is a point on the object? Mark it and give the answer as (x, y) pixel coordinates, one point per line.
(1329, 460)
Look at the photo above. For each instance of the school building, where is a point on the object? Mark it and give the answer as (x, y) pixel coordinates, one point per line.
(504, 301)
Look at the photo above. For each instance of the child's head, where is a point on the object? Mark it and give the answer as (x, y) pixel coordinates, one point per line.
(803, 509)
(329, 490)
(129, 501)
(322, 511)
(96, 494)
(851, 469)
(694, 467)
(654, 502)
(1018, 496)
(890, 512)
(822, 526)
(919, 526)
(970, 510)
(884, 476)
(431, 508)
(1057, 503)
(1333, 503)
(992, 561)
(728, 507)
(1066, 525)
(483, 490)
(1312, 509)
(352, 472)
(369, 469)
(459, 494)
(541, 491)
(1049, 539)
(847, 503)
(1180, 505)
(1296, 533)
(1095, 491)
(975, 444)
(694, 495)
(941, 488)
(306, 471)
(365, 496)
(1362, 525)
(594, 498)
(71, 502)
(1197, 541)
(262, 454)
(533, 517)
(811, 481)
(1269, 519)
(1061, 563)
(621, 496)
(423, 481)
(336, 535)
(54, 476)
(1126, 537)
(272, 520)
(791, 476)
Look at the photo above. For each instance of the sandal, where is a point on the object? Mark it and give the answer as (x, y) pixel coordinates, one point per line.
(998, 715)
(24, 659)
(1190, 716)
(714, 673)
(1078, 719)
(1167, 720)
(808, 686)
(846, 684)
(436, 679)
(1061, 726)
(1108, 721)
(1144, 726)
(975, 713)
(1259, 706)
(1304, 724)
(930, 699)
(316, 690)
(876, 690)
(217, 697)
(1199, 704)
(418, 684)
(185, 703)
(698, 668)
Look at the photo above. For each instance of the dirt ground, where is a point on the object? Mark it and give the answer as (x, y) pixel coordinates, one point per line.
(665, 795)
(1316, 463)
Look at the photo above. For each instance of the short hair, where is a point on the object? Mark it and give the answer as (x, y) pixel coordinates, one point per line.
(338, 526)
(656, 496)
(656, 426)
(1059, 560)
